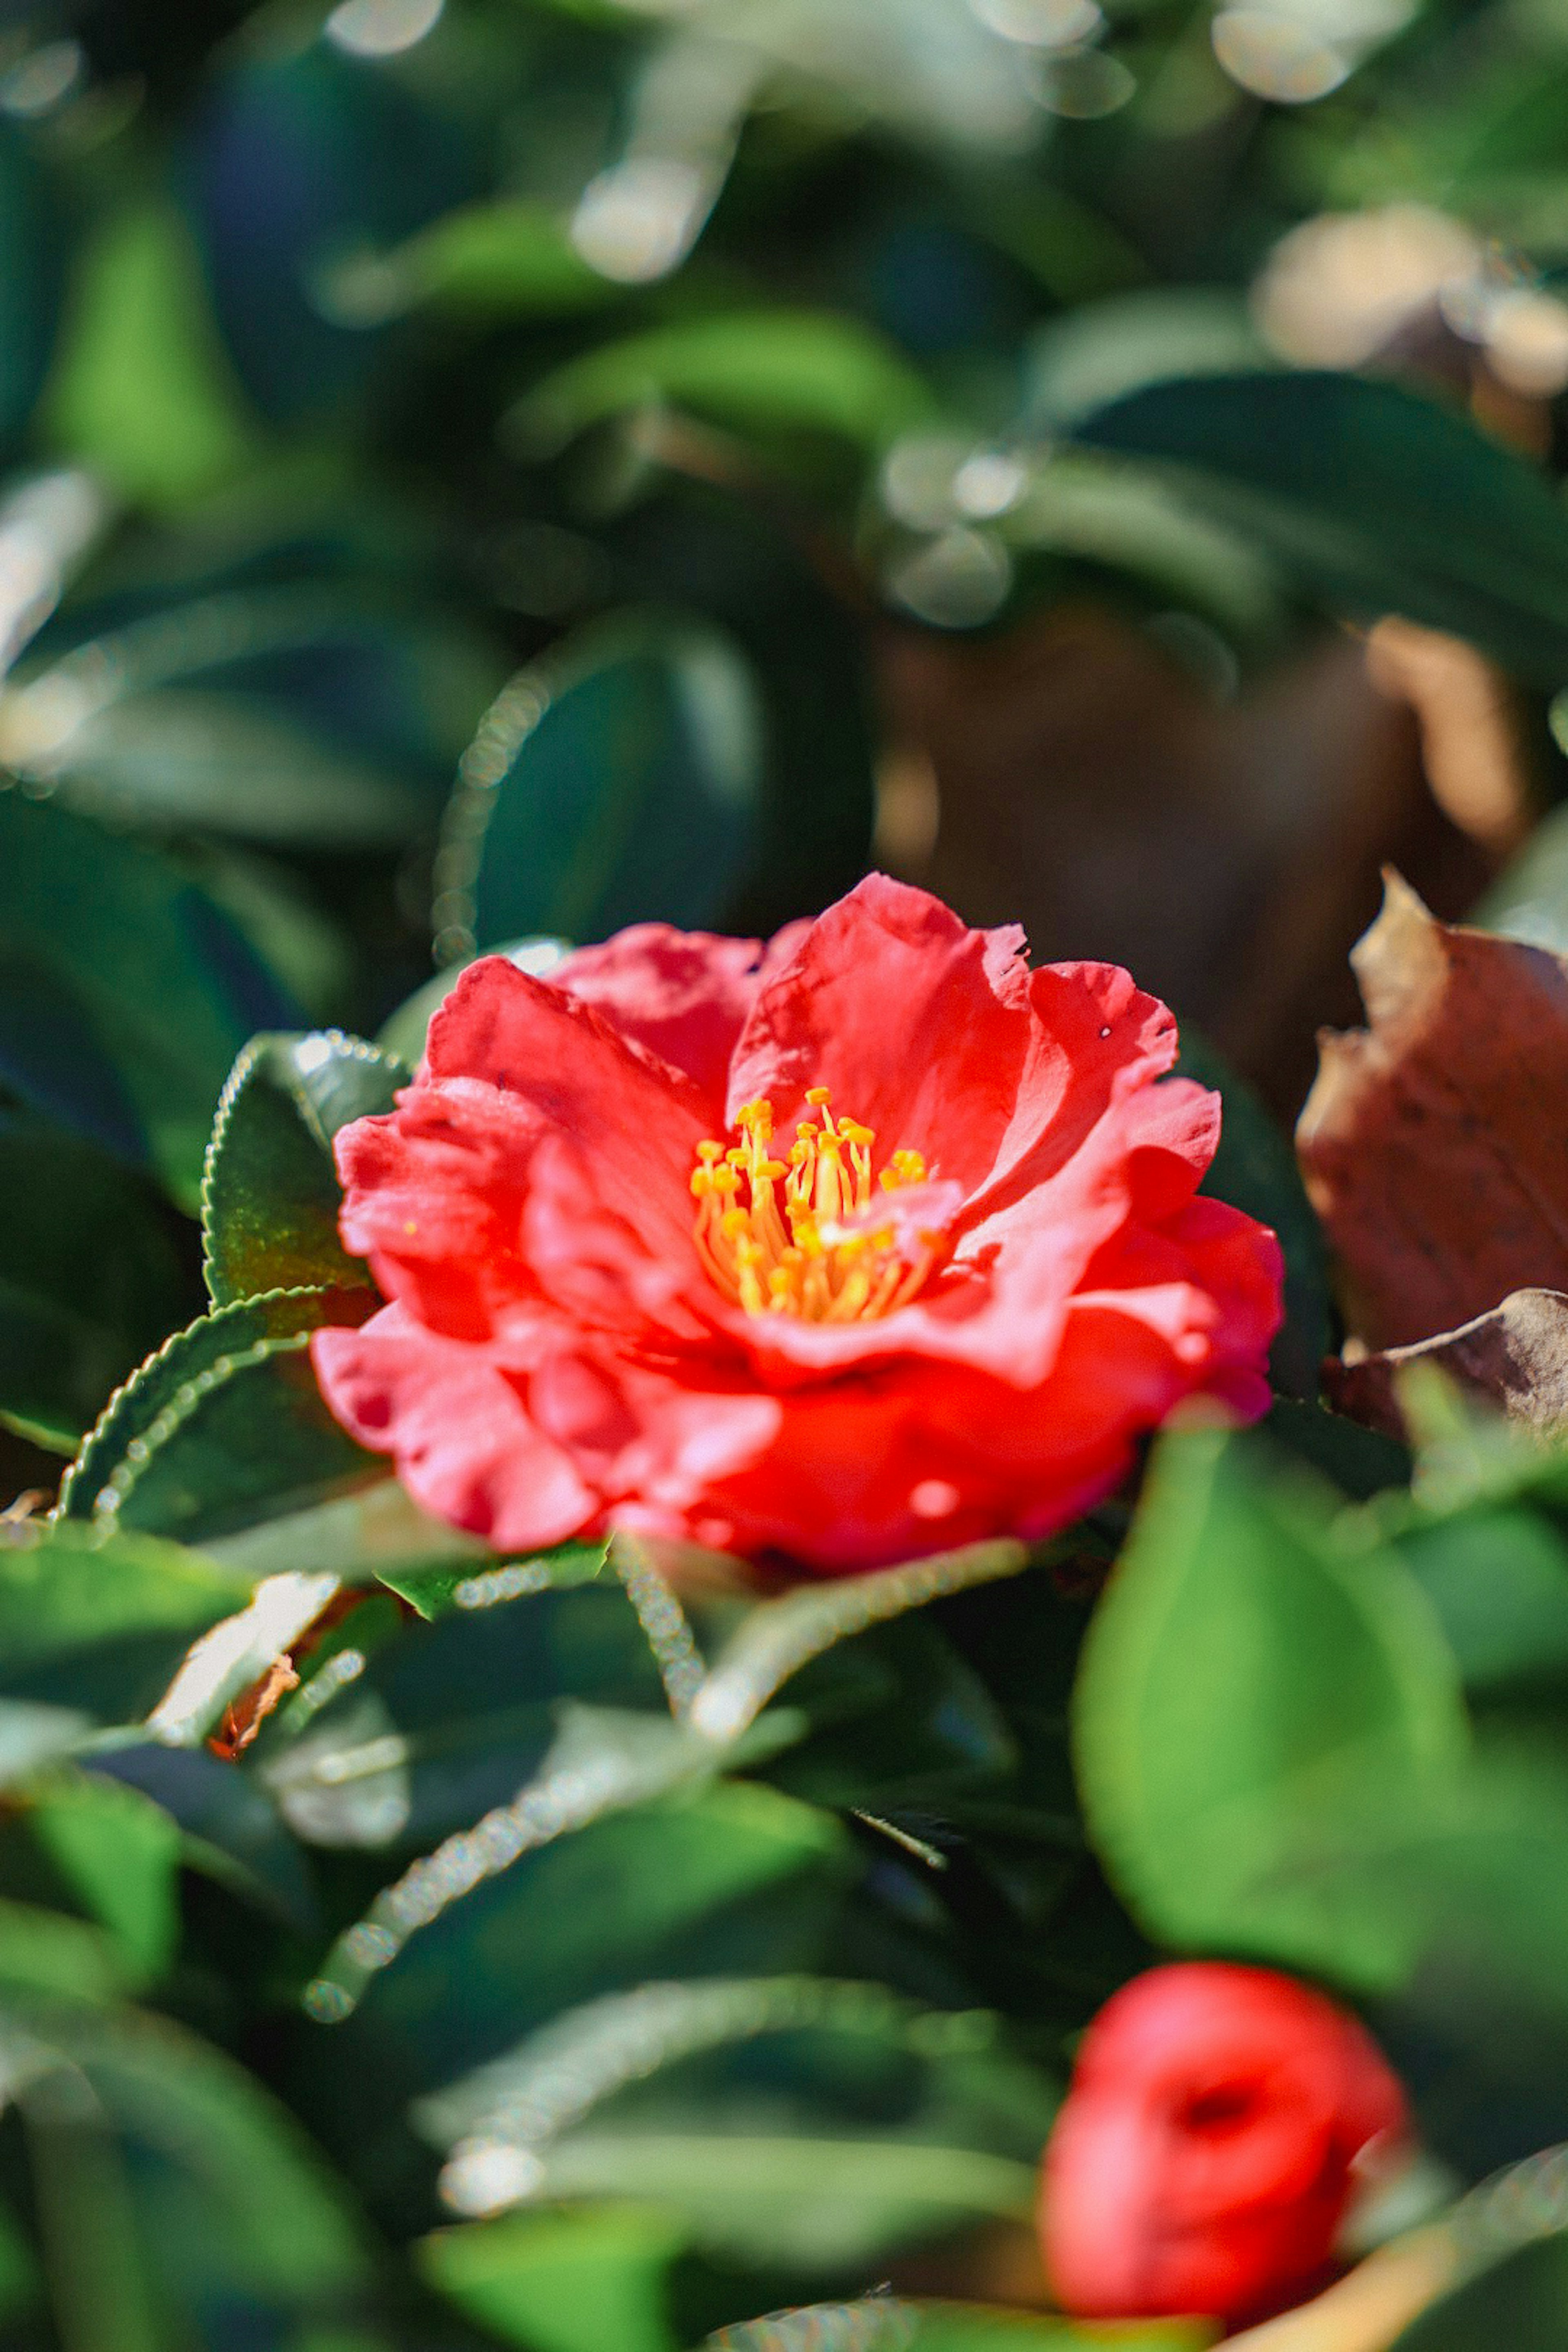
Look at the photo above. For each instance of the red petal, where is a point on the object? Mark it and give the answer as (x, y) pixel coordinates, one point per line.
(683, 995)
(465, 1446)
(919, 1025)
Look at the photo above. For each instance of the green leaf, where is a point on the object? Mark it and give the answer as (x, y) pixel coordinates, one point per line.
(126, 995)
(562, 2282)
(52, 1953)
(1254, 1168)
(99, 1623)
(435, 1588)
(142, 390)
(314, 715)
(579, 1906)
(67, 1342)
(229, 1827)
(810, 2201)
(505, 257)
(769, 371)
(225, 2205)
(776, 1638)
(883, 2323)
(919, 2117)
(1098, 352)
(1377, 499)
(32, 249)
(617, 783)
(354, 1538)
(1260, 1690)
(270, 1195)
(1521, 2302)
(441, 1722)
(224, 1426)
(119, 1852)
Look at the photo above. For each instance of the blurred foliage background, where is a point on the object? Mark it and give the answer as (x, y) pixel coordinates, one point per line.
(484, 471)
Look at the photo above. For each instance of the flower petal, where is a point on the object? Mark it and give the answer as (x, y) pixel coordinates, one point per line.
(636, 1119)
(683, 995)
(464, 1443)
(920, 1027)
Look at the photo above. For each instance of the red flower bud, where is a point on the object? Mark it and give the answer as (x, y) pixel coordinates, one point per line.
(1203, 2159)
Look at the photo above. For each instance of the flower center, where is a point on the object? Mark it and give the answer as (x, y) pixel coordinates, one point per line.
(807, 1237)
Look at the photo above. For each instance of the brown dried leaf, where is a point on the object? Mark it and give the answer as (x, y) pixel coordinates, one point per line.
(1434, 1141)
(1514, 1358)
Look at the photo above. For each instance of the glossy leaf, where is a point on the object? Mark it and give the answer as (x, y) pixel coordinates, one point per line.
(65, 1342)
(320, 716)
(890, 2324)
(568, 2282)
(768, 370)
(223, 2201)
(270, 1194)
(224, 1426)
(617, 783)
(119, 1853)
(98, 1622)
(113, 954)
(906, 2110)
(1262, 1699)
(442, 1722)
(1377, 499)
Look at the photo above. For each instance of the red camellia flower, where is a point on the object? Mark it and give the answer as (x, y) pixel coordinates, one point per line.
(846, 1248)
(1202, 2160)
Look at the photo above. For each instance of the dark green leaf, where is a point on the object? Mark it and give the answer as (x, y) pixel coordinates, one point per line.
(224, 1426)
(98, 1621)
(1378, 499)
(153, 989)
(709, 2098)
(617, 783)
(435, 1588)
(270, 1196)
(225, 2206)
(90, 1278)
(315, 716)
(440, 1723)
(119, 1853)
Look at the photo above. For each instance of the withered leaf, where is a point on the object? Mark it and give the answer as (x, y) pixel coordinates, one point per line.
(1514, 1359)
(1434, 1144)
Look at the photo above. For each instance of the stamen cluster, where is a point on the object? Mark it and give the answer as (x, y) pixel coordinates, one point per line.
(801, 1237)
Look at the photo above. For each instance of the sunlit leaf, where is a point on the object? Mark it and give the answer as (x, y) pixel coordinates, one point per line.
(270, 1195)
(224, 1426)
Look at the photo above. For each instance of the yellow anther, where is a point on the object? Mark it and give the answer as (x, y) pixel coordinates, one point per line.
(797, 1254)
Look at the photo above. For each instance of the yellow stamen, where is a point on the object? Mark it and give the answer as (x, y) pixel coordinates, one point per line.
(792, 1254)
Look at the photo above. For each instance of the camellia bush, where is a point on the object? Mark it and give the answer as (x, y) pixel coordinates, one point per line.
(739, 1614)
